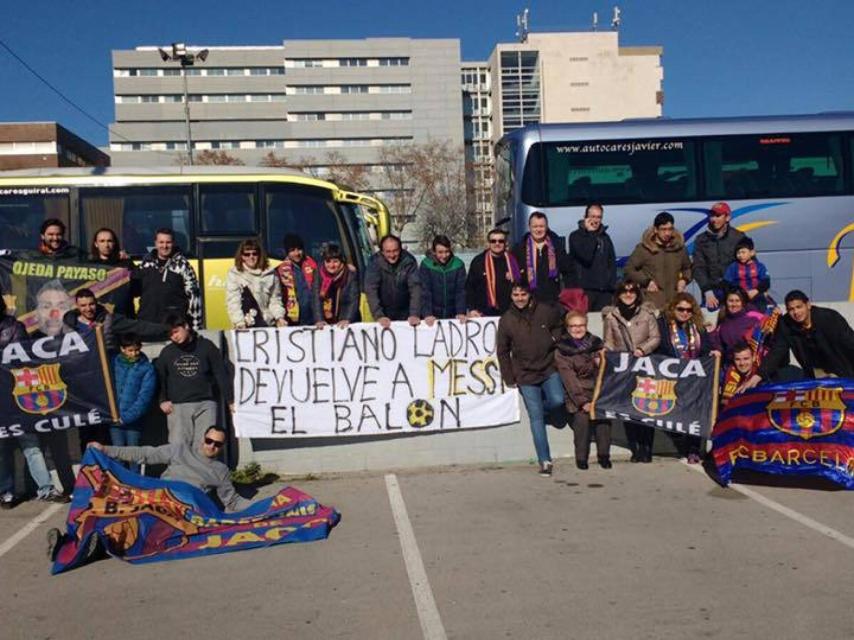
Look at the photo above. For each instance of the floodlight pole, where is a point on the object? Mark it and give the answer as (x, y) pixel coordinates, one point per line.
(186, 59)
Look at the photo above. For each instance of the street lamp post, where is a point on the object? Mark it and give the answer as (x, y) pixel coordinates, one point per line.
(186, 59)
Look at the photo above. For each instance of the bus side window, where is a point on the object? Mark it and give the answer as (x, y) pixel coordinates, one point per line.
(21, 217)
(136, 214)
(228, 210)
(308, 212)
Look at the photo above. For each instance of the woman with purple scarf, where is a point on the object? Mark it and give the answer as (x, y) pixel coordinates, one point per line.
(542, 258)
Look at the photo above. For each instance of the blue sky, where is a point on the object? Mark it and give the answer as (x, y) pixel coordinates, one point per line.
(726, 57)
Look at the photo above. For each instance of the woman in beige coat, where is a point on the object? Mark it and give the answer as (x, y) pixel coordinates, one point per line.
(253, 296)
(630, 325)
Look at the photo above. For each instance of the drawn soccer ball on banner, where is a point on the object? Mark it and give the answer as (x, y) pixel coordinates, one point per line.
(419, 413)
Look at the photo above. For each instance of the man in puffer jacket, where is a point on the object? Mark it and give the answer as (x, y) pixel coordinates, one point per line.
(168, 283)
(135, 382)
(443, 283)
(392, 285)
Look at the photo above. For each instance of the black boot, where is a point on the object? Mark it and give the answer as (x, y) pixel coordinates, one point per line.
(605, 462)
(582, 464)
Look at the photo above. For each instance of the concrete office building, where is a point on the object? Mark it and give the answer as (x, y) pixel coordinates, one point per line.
(301, 101)
(553, 77)
(573, 77)
(27, 145)
(477, 130)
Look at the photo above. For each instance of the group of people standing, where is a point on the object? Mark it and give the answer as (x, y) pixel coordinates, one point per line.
(545, 349)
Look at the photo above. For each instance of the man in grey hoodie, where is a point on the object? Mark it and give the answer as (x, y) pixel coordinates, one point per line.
(196, 465)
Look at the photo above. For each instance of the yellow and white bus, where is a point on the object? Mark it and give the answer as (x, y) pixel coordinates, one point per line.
(210, 208)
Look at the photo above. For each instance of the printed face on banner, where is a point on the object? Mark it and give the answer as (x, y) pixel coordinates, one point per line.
(654, 397)
(366, 380)
(807, 414)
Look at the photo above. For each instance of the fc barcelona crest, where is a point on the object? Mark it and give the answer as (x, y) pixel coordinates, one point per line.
(654, 397)
(808, 414)
(39, 389)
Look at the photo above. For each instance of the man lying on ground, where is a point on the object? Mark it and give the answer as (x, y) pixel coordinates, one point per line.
(196, 466)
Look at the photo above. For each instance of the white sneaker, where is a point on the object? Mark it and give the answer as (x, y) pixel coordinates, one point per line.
(7, 500)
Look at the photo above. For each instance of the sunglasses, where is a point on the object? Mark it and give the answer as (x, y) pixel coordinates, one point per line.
(217, 444)
(685, 309)
(577, 326)
(247, 254)
(497, 241)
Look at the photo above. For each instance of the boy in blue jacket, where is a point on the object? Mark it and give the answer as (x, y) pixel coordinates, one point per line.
(749, 274)
(135, 382)
(443, 283)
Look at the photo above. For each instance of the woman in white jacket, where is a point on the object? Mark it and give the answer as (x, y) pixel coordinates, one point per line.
(253, 295)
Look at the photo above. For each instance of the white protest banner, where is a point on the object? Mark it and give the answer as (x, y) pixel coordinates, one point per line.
(366, 381)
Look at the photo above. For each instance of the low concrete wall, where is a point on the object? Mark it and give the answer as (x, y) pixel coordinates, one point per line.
(490, 445)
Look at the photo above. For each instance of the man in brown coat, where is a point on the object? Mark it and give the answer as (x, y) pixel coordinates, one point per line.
(527, 335)
(660, 263)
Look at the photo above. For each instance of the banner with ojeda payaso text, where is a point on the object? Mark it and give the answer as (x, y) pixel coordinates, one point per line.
(671, 394)
(301, 382)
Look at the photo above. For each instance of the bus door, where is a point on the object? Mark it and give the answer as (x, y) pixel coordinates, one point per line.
(227, 215)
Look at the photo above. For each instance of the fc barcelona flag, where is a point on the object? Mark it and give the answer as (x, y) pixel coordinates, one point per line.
(55, 383)
(141, 519)
(671, 394)
(802, 428)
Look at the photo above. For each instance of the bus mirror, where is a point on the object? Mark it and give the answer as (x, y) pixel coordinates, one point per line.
(502, 221)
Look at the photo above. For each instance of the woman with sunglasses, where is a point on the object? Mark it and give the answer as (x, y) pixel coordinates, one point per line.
(684, 336)
(253, 295)
(630, 325)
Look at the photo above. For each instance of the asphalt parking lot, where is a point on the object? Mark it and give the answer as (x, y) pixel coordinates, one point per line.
(641, 551)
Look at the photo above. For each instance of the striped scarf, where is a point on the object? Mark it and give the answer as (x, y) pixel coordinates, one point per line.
(330, 292)
(685, 342)
(531, 260)
(513, 275)
(285, 271)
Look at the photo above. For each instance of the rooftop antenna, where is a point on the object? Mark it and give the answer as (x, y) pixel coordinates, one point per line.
(616, 20)
(595, 21)
(522, 26)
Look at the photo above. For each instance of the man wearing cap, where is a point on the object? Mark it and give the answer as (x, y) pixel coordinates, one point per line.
(714, 249)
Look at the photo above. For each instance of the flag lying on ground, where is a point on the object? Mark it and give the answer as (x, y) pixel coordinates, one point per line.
(141, 519)
(671, 394)
(800, 428)
(53, 384)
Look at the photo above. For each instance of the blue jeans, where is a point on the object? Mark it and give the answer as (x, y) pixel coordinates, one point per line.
(126, 437)
(539, 399)
(29, 444)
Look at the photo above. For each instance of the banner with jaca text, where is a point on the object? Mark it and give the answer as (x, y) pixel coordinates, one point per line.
(798, 428)
(53, 384)
(671, 394)
(140, 519)
(364, 380)
(39, 291)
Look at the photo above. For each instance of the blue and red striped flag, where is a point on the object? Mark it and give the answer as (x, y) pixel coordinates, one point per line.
(801, 428)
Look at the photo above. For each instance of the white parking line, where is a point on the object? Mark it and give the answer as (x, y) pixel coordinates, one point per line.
(28, 528)
(425, 604)
(815, 525)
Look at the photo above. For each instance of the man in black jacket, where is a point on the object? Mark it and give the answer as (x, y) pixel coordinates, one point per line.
(168, 283)
(541, 255)
(714, 249)
(188, 369)
(821, 340)
(490, 277)
(392, 284)
(592, 258)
